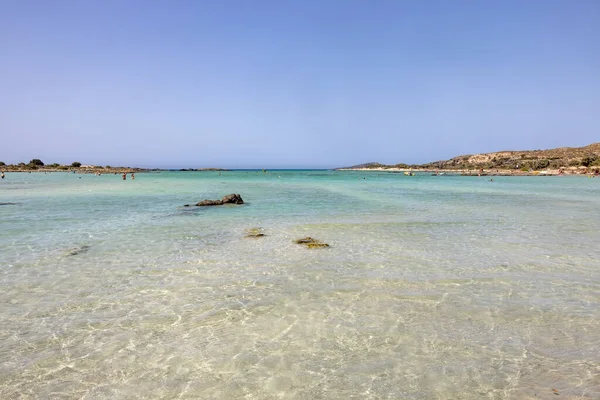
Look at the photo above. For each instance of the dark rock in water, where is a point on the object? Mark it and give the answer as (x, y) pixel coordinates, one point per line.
(254, 233)
(232, 198)
(209, 203)
(311, 243)
(186, 205)
(78, 250)
(229, 199)
(9, 204)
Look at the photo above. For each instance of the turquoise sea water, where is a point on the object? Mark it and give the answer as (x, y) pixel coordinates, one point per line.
(442, 287)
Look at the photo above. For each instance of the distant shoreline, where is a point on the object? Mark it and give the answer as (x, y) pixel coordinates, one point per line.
(573, 171)
(119, 170)
(479, 172)
(593, 171)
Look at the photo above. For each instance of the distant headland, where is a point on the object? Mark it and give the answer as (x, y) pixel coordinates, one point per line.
(37, 165)
(559, 161)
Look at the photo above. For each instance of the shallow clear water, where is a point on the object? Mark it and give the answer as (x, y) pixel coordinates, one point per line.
(433, 287)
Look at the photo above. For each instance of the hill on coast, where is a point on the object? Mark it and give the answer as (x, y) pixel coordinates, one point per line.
(563, 157)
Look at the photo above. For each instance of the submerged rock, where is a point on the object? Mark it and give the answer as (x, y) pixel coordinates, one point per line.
(311, 243)
(78, 250)
(306, 240)
(228, 199)
(316, 245)
(254, 233)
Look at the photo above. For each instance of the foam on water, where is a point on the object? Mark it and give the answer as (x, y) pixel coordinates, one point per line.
(432, 287)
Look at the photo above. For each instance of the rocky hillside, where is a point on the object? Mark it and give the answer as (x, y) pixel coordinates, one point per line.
(562, 157)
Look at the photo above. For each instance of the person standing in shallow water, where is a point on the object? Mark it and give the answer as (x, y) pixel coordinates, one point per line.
(124, 176)
(132, 176)
(2, 174)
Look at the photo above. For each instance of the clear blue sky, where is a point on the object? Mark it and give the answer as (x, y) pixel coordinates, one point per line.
(294, 83)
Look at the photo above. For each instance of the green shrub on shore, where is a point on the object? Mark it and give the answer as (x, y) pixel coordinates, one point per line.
(541, 164)
(556, 164)
(76, 164)
(588, 160)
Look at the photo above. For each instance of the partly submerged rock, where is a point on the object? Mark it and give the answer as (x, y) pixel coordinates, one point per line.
(232, 198)
(209, 203)
(311, 243)
(228, 199)
(306, 240)
(316, 245)
(78, 250)
(254, 233)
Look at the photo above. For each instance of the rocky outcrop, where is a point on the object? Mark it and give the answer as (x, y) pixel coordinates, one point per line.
(232, 198)
(229, 199)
